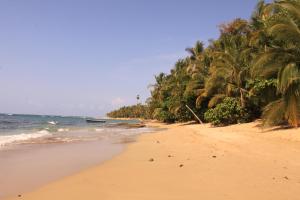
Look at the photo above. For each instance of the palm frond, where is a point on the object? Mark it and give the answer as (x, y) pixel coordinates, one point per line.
(218, 98)
(292, 112)
(287, 76)
(274, 113)
(293, 7)
(264, 65)
(286, 31)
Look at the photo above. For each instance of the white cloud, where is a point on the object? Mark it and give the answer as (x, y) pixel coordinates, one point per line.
(117, 101)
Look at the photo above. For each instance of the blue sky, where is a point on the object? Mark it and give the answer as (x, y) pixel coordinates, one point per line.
(86, 57)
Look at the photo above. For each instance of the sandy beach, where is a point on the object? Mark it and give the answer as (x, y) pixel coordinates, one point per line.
(191, 162)
(27, 167)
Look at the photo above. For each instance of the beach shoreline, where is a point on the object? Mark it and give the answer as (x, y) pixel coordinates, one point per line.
(30, 164)
(27, 167)
(191, 162)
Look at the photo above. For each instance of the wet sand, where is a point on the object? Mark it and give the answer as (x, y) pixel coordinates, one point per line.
(191, 162)
(30, 166)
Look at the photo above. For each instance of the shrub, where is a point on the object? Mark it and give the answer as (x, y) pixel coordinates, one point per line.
(227, 112)
(163, 115)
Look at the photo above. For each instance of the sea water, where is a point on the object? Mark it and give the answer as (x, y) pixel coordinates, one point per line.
(38, 149)
(17, 129)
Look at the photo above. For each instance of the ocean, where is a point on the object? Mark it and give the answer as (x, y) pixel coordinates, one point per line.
(17, 129)
(34, 147)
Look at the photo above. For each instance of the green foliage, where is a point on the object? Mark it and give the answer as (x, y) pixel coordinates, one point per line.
(258, 85)
(163, 116)
(228, 112)
(261, 93)
(281, 60)
(135, 111)
(252, 70)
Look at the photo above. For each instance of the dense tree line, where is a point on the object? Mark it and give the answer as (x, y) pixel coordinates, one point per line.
(252, 70)
(135, 111)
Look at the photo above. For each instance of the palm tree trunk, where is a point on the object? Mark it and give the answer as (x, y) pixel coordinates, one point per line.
(194, 114)
(242, 98)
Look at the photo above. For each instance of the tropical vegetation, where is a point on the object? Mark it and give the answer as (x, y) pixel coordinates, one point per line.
(251, 71)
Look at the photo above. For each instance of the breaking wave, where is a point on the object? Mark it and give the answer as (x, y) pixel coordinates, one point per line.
(8, 139)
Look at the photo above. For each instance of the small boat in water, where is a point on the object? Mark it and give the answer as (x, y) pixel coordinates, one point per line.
(95, 120)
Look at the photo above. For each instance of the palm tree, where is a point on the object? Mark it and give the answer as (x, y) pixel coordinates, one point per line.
(198, 70)
(230, 64)
(259, 38)
(196, 59)
(282, 60)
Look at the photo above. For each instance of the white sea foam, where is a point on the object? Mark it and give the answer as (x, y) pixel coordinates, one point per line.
(7, 139)
(52, 122)
(63, 129)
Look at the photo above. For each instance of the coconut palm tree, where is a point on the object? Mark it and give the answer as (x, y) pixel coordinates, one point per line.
(198, 68)
(259, 39)
(197, 60)
(229, 68)
(282, 60)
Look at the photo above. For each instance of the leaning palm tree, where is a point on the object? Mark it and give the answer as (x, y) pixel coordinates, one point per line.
(282, 60)
(198, 63)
